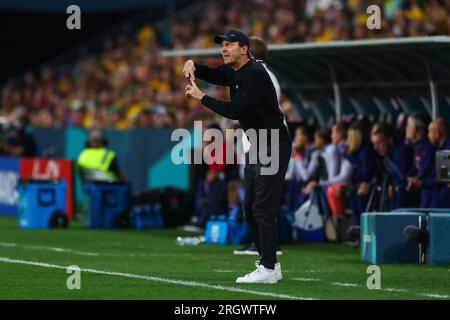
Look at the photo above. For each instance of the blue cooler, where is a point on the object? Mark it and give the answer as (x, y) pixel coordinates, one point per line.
(382, 239)
(439, 238)
(147, 216)
(42, 205)
(106, 205)
(222, 231)
(423, 210)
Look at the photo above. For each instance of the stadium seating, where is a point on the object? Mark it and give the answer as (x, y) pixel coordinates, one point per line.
(155, 101)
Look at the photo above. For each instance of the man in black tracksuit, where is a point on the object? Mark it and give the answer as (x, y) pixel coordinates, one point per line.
(254, 104)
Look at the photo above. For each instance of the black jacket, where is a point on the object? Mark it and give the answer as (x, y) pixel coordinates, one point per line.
(254, 100)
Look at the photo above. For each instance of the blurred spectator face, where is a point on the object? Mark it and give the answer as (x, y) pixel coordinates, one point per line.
(144, 120)
(46, 119)
(96, 139)
(380, 144)
(319, 142)
(232, 52)
(300, 140)
(433, 134)
(337, 134)
(158, 120)
(374, 129)
(78, 117)
(411, 130)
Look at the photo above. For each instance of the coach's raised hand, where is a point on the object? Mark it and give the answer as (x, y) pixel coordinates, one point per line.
(189, 70)
(193, 91)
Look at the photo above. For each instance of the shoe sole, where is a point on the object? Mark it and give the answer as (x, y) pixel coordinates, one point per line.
(248, 253)
(262, 282)
(253, 253)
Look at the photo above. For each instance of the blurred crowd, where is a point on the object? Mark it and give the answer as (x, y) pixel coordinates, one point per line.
(129, 85)
(355, 166)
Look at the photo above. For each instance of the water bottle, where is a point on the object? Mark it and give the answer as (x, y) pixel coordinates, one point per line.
(190, 241)
(233, 214)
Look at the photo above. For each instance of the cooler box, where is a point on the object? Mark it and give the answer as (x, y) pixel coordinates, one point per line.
(382, 239)
(106, 205)
(222, 231)
(41, 205)
(147, 216)
(422, 210)
(439, 239)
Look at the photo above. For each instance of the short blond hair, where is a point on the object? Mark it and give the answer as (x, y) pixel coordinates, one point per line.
(354, 138)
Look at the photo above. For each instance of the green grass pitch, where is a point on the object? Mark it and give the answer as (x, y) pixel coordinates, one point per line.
(117, 264)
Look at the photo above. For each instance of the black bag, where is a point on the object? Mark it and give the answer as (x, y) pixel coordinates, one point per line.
(177, 205)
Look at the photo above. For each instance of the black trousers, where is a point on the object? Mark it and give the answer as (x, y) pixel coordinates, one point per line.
(262, 203)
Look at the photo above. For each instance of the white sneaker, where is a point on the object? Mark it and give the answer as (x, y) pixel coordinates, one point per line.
(277, 269)
(260, 275)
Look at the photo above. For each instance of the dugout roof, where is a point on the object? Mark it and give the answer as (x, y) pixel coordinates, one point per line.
(379, 78)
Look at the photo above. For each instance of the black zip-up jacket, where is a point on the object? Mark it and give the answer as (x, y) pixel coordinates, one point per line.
(254, 100)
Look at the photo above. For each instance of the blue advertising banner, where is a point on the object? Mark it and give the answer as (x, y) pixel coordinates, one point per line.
(9, 177)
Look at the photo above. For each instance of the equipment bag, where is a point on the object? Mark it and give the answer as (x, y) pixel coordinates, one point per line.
(309, 219)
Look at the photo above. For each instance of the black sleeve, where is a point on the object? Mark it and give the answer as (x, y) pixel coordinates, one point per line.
(243, 102)
(217, 76)
(114, 167)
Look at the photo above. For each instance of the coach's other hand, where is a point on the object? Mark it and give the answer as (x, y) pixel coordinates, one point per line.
(189, 70)
(193, 91)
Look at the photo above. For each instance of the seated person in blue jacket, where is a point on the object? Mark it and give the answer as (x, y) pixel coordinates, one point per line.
(423, 162)
(438, 134)
(328, 160)
(362, 158)
(395, 161)
(302, 149)
(97, 157)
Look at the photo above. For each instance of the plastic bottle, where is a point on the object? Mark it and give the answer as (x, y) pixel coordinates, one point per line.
(190, 241)
(233, 214)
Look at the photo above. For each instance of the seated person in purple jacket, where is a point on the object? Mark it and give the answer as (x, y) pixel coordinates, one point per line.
(395, 162)
(423, 163)
(362, 158)
(438, 134)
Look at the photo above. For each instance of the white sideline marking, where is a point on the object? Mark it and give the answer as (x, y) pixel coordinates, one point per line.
(158, 279)
(92, 254)
(55, 249)
(85, 253)
(433, 295)
(345, 284)
(394, 290)
(306, 279)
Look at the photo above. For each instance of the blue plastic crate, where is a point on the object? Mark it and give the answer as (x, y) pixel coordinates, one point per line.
(39, 203)
(147, 216)
(104, 204)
